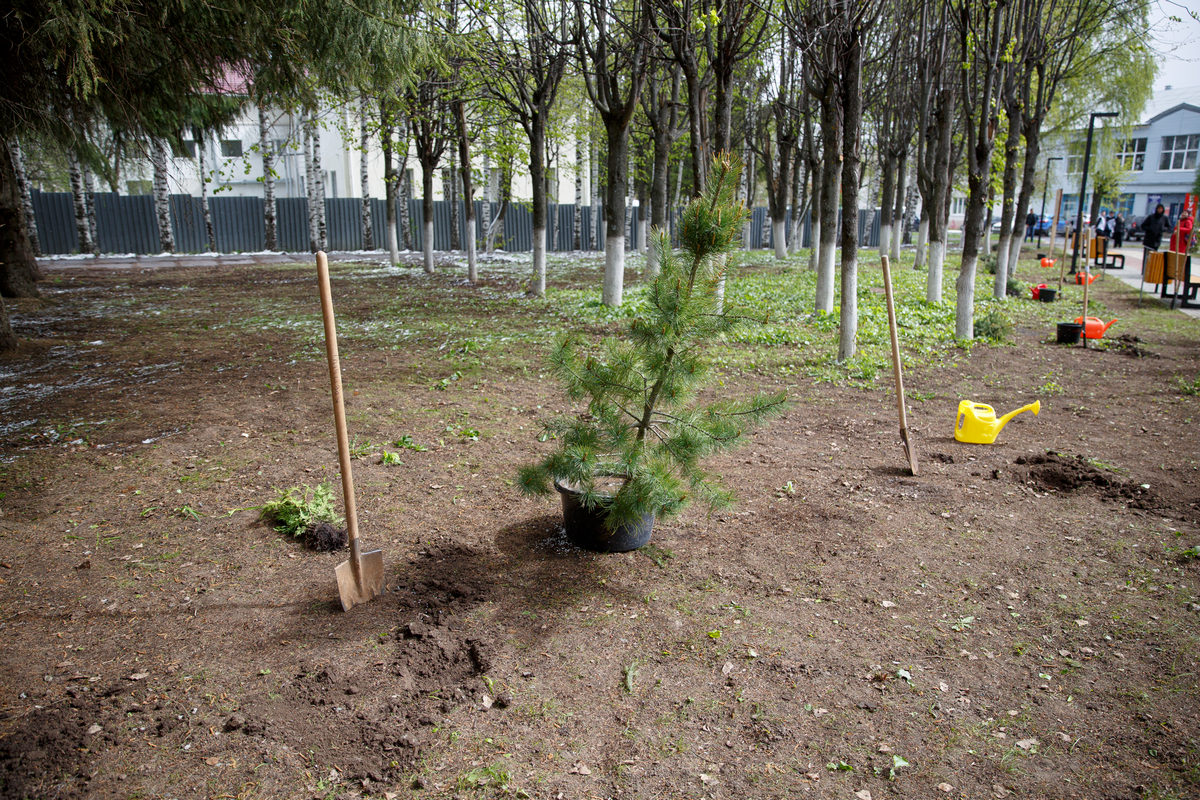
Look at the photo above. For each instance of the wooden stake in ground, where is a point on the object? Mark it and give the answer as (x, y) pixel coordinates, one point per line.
(909, 452)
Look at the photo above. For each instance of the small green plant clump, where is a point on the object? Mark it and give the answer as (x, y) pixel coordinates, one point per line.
(299, 507)
(994, 325)
(637, 450)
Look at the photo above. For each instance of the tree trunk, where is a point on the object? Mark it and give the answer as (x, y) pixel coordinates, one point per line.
(1028, 177)
(205, 211)
(1008, 221)
(450, 193)
(364, 146)
(406, 223)
(389, 191)
(8, 339)
(309, 182)
(89, 199)
(537, 173)
(851, 163)
(319, 183)
(18, 159)
(800, 200)
(18, 266)
(468, 188)
(594, 189)
(427, 170)
(817, 176)
(830, 176)
(577, 217)
(899, 223)
(658, 196)
(162, 197)
(698, 140)
(83, 230)
(922, 243)
(617, 164)
(973, 237)
(489, 197)
(267, 148)
(887, 201)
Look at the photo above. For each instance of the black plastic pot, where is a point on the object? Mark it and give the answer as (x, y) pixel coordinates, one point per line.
(1047, 295)
(585, 526)
(1069, 332)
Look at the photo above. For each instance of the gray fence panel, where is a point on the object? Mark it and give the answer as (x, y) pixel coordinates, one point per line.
(187, 218)
(291, 224)
(379, 222)
(55, 216)
(343, 223)
(125, 224)
(238, 224)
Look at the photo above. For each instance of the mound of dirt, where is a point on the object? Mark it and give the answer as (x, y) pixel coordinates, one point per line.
(46, 746)
(1129, 345)
(1066, 474)
(324, 537)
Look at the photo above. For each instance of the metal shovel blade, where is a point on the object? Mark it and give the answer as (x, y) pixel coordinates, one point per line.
(354, 589)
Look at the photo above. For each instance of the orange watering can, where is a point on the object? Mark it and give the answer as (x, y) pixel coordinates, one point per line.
(1036, 291)
(977, 423)
(1084, 277)
(1095, 327)
(1047, 262)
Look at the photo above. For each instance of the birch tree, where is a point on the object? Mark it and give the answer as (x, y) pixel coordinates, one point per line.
(162, 196)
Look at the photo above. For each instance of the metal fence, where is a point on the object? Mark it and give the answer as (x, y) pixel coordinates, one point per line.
(127, 224)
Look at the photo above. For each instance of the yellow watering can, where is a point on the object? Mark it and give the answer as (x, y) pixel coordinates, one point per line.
(977, 423)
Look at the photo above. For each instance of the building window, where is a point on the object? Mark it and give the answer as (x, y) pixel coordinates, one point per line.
(231, 148)
(1133, 154)
(186, 149)
(1179, 152)
(958, 205)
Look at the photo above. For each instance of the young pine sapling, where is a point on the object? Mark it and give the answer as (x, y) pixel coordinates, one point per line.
(637, 450)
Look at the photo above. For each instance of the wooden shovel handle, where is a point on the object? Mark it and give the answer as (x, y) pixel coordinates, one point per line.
(891, 309)
(339, 410)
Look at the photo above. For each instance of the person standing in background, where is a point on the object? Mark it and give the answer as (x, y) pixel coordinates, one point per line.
(1154, 226)
(1181, 239)
(1118, 230)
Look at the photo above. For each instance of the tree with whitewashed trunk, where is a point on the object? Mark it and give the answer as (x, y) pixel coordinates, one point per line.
(983, 35)
(526, 55)
(935, 129)
(459, 108)
(428, 114)
(162, 196)
(614, 45)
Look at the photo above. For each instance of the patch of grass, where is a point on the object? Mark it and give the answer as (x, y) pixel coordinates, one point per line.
(294, 509)
(1187, 387)
(994, 325)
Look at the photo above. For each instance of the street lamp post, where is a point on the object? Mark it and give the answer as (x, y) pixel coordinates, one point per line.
(1045, 188)
(1087, 155)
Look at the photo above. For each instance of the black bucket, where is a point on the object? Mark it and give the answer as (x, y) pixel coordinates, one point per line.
(1047, 295)
(1069, 332)
(585, 526)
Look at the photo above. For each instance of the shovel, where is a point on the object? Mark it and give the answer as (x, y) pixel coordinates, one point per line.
(360, 578)
(909, 452)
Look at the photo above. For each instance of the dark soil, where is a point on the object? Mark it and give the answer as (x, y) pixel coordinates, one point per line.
(1015, 622)
(324, 537)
